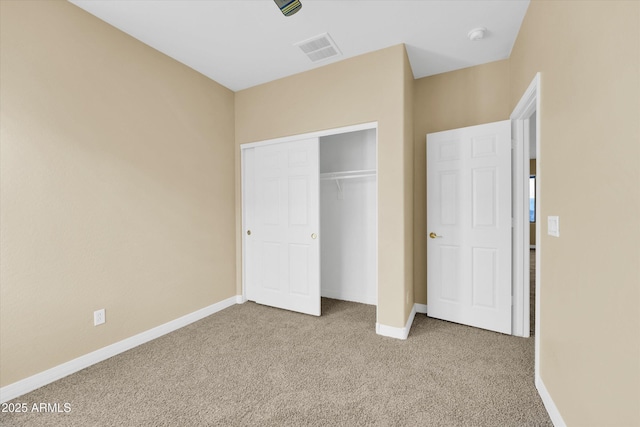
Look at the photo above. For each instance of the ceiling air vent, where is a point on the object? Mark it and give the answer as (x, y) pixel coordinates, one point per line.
(319, 47)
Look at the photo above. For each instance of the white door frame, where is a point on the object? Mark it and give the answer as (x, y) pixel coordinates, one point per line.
(528, 104)
(243, 181)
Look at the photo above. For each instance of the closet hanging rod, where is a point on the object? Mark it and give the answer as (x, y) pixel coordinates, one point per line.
(348, 174)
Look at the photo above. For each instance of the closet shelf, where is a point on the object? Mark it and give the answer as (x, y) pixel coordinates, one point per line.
(348, 174)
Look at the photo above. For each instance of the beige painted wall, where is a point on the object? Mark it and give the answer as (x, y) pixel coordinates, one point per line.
(366, 88)
(590, 275)
(467, 97)
(116, 188)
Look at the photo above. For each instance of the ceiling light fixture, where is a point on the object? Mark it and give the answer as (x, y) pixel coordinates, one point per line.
(477, 34)
(288, 7)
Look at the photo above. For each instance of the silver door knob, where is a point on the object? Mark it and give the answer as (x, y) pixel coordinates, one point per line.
(248, 232)
(314, 235)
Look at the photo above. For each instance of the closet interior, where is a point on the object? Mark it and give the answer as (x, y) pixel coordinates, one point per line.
(348, 216)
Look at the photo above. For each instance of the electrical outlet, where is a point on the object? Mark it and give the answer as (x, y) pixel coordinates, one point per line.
(99, 317)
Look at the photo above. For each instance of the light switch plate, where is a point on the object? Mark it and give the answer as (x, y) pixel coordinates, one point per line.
(553, 226)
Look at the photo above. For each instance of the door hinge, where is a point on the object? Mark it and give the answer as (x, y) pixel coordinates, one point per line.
(513, 222)
(513, 144)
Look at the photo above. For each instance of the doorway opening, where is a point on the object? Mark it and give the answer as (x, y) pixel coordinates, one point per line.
(533, 148)
(526, 235)
(348, 219)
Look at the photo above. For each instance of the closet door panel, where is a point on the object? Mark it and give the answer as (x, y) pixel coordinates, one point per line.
(298, 201)
(285, 258)
(269, 267)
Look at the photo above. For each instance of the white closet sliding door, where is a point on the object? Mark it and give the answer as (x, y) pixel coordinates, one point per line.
(281, 195)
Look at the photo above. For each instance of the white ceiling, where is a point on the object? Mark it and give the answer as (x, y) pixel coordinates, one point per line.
(243, 43)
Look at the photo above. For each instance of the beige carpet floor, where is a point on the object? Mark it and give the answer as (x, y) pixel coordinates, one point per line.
(255, 365)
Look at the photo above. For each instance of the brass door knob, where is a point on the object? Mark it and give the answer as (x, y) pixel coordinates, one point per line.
(433, 235)
(314, 235)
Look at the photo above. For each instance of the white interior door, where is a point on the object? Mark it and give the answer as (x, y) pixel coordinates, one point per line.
(469, 226)
(282, 265)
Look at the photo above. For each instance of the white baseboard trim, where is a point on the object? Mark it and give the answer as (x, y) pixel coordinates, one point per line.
(393, 332)
(41, 379)
(240, 299)
(420, 308)
(549, 404)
